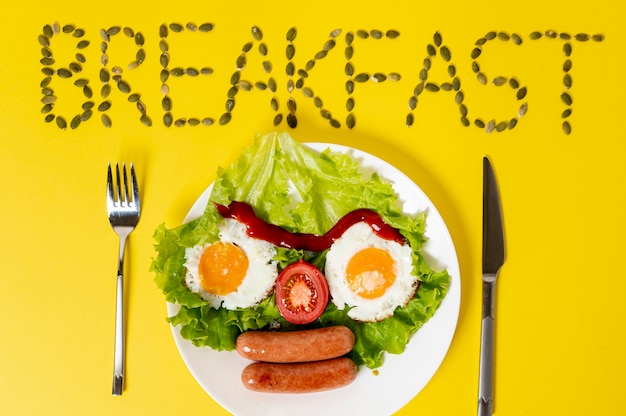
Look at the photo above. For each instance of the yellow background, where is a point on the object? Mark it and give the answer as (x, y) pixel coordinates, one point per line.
(560, 308)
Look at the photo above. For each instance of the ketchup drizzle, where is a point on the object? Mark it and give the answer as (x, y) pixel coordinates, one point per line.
(257, 228)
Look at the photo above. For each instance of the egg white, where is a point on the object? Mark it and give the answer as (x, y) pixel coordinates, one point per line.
(355, 239)
(260, 275)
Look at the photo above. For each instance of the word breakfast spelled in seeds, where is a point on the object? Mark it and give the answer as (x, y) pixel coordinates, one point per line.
(296, 78)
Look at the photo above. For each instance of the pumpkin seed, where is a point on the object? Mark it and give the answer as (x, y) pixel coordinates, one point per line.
(328, 45)
(465, 121)
(104, 106)
(582, 37)
(350, 104)
(47, 108)
(47, 61)
(105, 91)
(504, 36)
(232, 91)
(129, 32)
(362, 34)
(192, 27)
(451, 70)
(394, 76)
(176, 27)
(317, 102)
(535, 35)
(290, 51)
(349, 38)
(521, 93)
(47, 31)
(290, 69)
(350, 121)
(445, 53)
(427, 64)
(230, 104)
(75, 122)
(292, 121)
(499, 81)
(410, 119)
(463, 110)
(501, 126)
(56, 28)
(307, 92)
(49, 99)
(181, 122)
(291, 34)
(566, 98)
(335, 33)
(123, 86)
(491, 126)
(104, 59)
(303, 74)
(166, 103)
(140, 56)
(206, 70)
(430, 50)
(349, 52)
(566, 113)
(267, 66)
(87, 105)
(521, 112)
(61, 123)
(456, 83)
(64, 73)
(47, 71)
(567, 128)
(476, 52)
(392, 34)
(82, 44)
(412, 103)
(193, 121)
(423, 74)
(418, 89)
(192, 72)
(104, 35)
(163, 31)
(517, 39)
(598, 37)
(567, 81)
(376, 34)
(480, 42)
(325, 114)
(321, 54)
(512, 123)
(263, 49)
(245, 85)
(106, 120)
(87, 92)
(290, 85)
(482, 78)
(379, 77)
(334, 123)
(241, 61)
(459, 97)
(362, 77)
(567, 49)
(291, 105)
(550, 34)
(164, 75)
(565, 36)
(278, 118)
(207, 121)
(350, 86)
(46, 81)
(86, 115)
(145, 120)
(479, 123)
(46, 52)
(446, 86)
(437, 39)
(271, 84)
(113, 30)
(206, 27)
(167, 119)
(514, 83)
(247, 47)
(81, 58)
(567, 65)
(349, 69)
(431, 86)
(475, 67)
(256, 33)
(225, 118)
(47, 91)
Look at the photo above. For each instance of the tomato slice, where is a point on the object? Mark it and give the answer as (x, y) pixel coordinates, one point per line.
(301, 293)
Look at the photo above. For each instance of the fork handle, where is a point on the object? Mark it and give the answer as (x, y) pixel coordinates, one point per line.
(119, 357)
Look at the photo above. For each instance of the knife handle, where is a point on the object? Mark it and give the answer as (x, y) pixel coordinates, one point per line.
(485, 389)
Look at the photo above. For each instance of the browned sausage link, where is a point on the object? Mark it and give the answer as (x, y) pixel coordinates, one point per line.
(299, 377)
(296, 346)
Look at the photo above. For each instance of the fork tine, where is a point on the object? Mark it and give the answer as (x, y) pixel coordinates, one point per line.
(126, 199)
(119, 187)
(110, 196)
(135, 186)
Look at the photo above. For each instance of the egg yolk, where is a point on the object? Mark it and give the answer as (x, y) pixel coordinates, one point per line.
(370, 272)
(222, 268)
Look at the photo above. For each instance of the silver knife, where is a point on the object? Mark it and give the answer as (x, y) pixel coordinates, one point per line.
(493, 259)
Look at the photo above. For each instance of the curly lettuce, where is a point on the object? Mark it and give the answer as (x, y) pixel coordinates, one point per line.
(302, 191)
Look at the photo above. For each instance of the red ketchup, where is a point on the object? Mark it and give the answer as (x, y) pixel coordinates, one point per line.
(257, 228)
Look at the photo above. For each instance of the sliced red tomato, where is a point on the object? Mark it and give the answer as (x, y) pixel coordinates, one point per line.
(301, 293)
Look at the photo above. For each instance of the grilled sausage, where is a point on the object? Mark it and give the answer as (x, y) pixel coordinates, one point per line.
(299, 377)
(295, 346)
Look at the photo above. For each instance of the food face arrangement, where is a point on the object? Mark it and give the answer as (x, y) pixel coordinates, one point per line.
(296, 248)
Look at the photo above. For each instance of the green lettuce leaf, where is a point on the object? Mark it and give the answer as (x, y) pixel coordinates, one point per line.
(302, 191)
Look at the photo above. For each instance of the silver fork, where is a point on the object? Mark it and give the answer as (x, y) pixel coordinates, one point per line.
(123, 209)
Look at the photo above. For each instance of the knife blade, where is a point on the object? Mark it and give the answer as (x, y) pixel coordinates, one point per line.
(493, 259)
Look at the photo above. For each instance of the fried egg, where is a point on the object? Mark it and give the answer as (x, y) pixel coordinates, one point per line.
(371, 275)
(236, 271)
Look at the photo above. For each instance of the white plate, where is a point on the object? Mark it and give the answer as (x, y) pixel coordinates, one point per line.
(400, 378)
